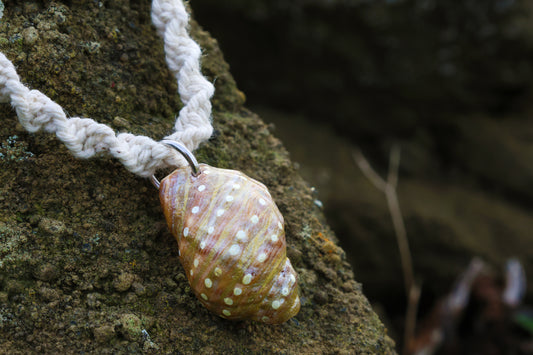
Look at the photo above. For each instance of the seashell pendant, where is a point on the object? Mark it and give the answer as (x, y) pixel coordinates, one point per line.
(231, 242)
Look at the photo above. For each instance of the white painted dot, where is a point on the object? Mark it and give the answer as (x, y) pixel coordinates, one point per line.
(247, 279)
(207, 172)
(195, 209)
(226, 312)
(185, 231)
(274, 237)
(265, 319)
(218, 271)
(254, 219)
(210, 230)
(220, 212)
(241, 235)
(293, 279)
(262, 202)
(202, 244)
(196, 262)
(208, 283)
(229, 198)
(236, 186)
(262, 257)
(237, 291)
(201, 188)
(234, 250)
(276, 304)
(204, 296)
(285, 291)
(191, 272)
(280, 226)
(228, 301)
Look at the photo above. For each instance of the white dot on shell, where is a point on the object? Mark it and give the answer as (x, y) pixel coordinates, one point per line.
(285, 291)
(228, 301)
(280, 226)
(202, 244)
(186, 231)
(226, 312)
(241, 235)
(204, 296)
(210, 230)
(208, 283)
(274, 237)
(276, 304)
(195, 209)
(206, 171)
(218, 271)
(262, 202)
(293, 279)
(237, 291)
(234, 250)
(196, 262)
(191, 272)
(236, 186)
(264, 319)
(254, 219)
(220, 212)
(229, 198)
(247, 279)
(201, 188)
(262, 257)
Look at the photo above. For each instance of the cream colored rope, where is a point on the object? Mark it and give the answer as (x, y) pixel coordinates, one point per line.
(85, 137)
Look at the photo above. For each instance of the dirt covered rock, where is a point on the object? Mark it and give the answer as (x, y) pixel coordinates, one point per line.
(86, 261)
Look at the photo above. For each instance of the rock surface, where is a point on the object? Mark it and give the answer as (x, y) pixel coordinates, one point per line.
(86, 262)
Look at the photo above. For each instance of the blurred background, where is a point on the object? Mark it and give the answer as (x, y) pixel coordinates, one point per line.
(449, 84)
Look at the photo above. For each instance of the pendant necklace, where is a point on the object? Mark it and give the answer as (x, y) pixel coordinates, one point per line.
(230, 232)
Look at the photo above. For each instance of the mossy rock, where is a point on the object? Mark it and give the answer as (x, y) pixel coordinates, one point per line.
(86, 261)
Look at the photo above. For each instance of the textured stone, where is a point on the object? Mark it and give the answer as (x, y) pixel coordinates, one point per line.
(123, 281)
(96, 222)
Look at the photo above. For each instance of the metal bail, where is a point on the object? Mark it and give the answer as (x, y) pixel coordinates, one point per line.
(186, 154)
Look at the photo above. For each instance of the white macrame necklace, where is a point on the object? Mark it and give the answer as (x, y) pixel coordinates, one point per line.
(230, 232)
(141, 155)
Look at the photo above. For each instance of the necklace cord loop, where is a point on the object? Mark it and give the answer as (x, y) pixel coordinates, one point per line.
(193, 163)
(186, 154)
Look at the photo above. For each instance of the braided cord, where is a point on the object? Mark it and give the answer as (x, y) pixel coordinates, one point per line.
(85, 137)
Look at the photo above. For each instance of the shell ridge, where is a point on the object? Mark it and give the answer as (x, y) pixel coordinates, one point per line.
(203, 218)
(246, 256)
(208, 215)
(179, 213)
(267, 283)
(190, 246)
(225, 238)
(165, 195)
(221, 241)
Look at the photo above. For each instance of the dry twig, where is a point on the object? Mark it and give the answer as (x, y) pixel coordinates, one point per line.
(388, 187)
